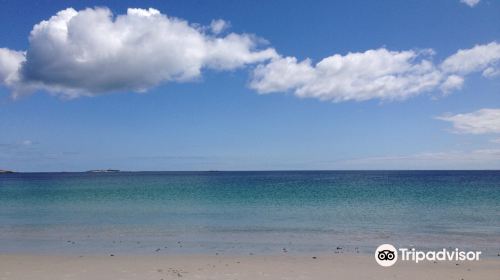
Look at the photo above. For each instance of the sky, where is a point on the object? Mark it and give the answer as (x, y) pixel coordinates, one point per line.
(249, 85)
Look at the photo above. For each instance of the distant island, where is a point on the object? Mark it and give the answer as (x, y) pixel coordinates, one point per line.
(103, 170)
(6, 171)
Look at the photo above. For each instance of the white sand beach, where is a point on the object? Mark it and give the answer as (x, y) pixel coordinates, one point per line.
(341, 266)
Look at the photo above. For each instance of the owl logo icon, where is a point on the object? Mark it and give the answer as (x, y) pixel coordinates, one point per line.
(386, 255)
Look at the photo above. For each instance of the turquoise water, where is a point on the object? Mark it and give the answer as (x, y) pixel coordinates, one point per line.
(248, 212)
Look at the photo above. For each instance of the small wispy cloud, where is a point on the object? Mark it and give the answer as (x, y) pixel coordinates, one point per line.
(496, 140)
(16, 145)
(480, 58)
(219, 25)
(470, 3)
(27, 142)
(479, 122)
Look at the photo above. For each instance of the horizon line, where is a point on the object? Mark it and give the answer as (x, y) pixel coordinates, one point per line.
(249, 170)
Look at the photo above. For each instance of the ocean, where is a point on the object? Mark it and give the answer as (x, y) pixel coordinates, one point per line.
(248, 212)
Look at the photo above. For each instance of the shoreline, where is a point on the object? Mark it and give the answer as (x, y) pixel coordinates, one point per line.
(302, 255)
(131, 267)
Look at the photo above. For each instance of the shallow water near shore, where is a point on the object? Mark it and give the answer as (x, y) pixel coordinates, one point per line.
(248, 212)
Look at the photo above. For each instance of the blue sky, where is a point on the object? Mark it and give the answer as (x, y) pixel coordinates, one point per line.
(258, 102)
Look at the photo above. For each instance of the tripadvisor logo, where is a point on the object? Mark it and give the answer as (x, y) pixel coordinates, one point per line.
(387, 255)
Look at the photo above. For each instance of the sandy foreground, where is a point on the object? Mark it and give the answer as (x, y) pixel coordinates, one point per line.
(340, 266)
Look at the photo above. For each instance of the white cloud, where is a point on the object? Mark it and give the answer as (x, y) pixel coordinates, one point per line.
(219, 25)
(496, 140)
(91, 51)
(478, 122)
(27, 142)
(491, 72)
(479, 58)
(380, 73)
(10, 61)
(451, 83)
(470, 3)
(375, 74)
(282, 74)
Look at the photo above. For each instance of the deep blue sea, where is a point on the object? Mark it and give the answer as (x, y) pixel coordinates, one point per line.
(248, 212)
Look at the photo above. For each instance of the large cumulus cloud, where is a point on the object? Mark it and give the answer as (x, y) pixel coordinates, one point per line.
(91, 51)
(374, 74)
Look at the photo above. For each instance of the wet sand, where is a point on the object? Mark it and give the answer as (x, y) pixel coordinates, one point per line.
(341, 266)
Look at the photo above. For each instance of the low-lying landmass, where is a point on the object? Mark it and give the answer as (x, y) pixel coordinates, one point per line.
(5, 171)
(103, 170)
